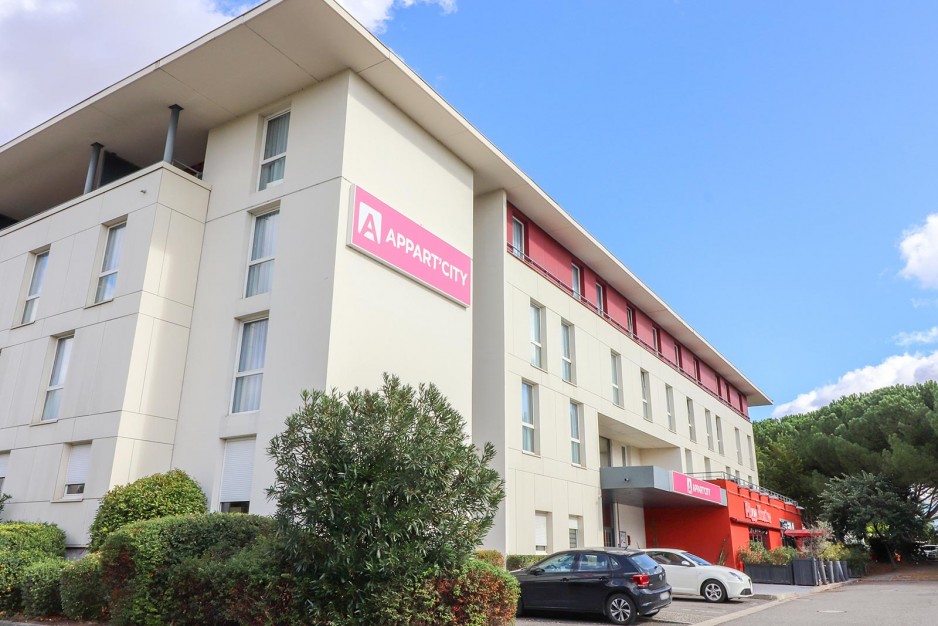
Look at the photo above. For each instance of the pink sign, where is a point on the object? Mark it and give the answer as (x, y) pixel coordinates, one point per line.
(682, 483)
(404, 245)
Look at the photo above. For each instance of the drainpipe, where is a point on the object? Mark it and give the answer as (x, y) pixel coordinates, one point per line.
(171, 133)
(92, 166)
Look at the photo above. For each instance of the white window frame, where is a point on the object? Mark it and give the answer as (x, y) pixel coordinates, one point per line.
(752, 454)
(677, 355)
(261, 260)
(575, 531)
(567, 350)
(688, 461)
(64, 346)
(274, 157)
(739, 447)
(576, 281)
(517, 238)
(644, 380)
(247, 373)
(630, 319)
(536, 317)
(707, 465)
(4, 467)
(669, 400)
(656, 338)
(542, 525)
(31, 302)
(708, 417)
(106, 273)
(242, 451)
(615, 360)
(576, 434)
(600, 299)
(719, 428)
(691, 421)
(77, 491)
(528, 417)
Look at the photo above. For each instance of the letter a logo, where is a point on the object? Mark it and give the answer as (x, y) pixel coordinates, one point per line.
(369, 223)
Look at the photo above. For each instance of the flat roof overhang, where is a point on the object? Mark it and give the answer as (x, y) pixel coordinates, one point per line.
(270, 52)
(648, 486)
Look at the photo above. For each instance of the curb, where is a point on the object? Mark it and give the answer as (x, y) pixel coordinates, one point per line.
(775, 600)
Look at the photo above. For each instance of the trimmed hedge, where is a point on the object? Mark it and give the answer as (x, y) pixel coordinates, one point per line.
(493, 557)
(84, 596)
(137, 561)
(21, 545)
(41, 587)
(519, 561)
(480, 595)
(158, 495)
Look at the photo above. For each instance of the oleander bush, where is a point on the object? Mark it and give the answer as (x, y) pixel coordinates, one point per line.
(158, 495)
(519, 561)
(84, 596)
(493, 557)
(40, 587)
(480, 594)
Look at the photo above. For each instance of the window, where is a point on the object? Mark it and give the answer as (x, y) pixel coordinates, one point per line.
(517, 237)
(646, 396)
(575, 526)
(600, 299)
(707, 467)
(630, 320)
(541, 539)
(576, 283)
(4, 462)
(263, 247)
(625, 456)
(250, 374)
(605, 452)
(35, 286)
(528, 439)
(688, 462)
(739, 448)
(720, 435)
(691, 421)
(76, 474)
(752, 454)
(616, 364)
(677, 355)
(697, 369)
(537, 325)
(107, 279)
(53, 401)
(576, 430)
(566, 351)
(669, 398)
(237, 470)
(656, 340)
(275, 150)
(709, 428)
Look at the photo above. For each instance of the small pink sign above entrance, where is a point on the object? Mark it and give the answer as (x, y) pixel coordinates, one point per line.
(404, 245)
(687, 485)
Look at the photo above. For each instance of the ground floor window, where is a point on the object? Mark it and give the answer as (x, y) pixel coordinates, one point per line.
(759, 535)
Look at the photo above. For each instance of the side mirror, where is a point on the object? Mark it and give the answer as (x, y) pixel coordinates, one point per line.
(536, 571)
(686, 563)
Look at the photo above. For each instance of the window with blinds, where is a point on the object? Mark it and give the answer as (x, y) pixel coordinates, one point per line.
(274, 156)
(76, 474)
(249, 376)
(541, 545)
(237, 471)
(4, 461)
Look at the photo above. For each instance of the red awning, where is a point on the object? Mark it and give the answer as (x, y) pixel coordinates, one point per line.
(803, 532)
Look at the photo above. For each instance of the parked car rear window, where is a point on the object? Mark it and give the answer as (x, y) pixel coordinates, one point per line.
(645, 562)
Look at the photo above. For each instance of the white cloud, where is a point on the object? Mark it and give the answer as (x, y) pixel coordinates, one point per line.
(919, 248)
(902, 369)
(918, 336)
(56, 53)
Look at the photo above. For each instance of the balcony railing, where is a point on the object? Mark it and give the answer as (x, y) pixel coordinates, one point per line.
(745, 484)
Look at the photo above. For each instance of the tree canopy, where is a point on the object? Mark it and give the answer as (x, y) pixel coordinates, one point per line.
(891, 433)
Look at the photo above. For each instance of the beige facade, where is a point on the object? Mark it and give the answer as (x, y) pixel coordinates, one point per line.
(237, 288)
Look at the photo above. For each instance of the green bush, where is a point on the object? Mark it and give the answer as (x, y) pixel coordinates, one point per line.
(782, 555)
(21, 545)
(158, 495)
(138, 559)
(84, 596)
(755, 554)
(479, 595)
(40, 587)
(520, 561)
(493, 557)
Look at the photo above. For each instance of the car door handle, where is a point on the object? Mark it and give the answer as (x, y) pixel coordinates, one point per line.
(564, 580)
(603, 578)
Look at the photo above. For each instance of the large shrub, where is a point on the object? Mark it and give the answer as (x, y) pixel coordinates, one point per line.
(137, 560)
(40, 587)
(158, 495)
(84, 596)
(520, 561)
(21, 545)
(377, 492)
(479, 595)
(494, 557)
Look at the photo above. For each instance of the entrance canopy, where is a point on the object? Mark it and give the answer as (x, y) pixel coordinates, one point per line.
(651, 486)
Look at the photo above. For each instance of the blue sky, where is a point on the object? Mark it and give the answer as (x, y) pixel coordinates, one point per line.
(768, 168)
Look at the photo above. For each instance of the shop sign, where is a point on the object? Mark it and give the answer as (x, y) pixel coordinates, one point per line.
(682, 483)
(786, 524)
(407, 247)
(757, 513)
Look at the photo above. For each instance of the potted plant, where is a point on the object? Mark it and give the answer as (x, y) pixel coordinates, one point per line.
(767, 566)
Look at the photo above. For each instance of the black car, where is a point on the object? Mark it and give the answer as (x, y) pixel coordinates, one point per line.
(621, 584)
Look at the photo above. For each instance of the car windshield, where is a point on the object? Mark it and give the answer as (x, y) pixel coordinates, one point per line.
(645, 563)
(695, 559)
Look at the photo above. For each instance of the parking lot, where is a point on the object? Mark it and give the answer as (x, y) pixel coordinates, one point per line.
(681, 611)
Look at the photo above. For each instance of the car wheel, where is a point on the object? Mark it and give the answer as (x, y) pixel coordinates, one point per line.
(620, 609)
(713, 591)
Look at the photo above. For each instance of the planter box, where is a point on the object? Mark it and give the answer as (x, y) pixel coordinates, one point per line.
(856, 571)
(771, 574)
(804, 572)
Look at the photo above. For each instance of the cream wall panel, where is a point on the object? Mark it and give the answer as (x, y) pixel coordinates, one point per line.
(184, 194)
(181, 260)
(632, 521)
(164, 369)
(153, 262)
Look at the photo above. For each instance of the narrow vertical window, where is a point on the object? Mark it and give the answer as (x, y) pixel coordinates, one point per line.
(263, 248)
(677, 355)
(669, 400)
(250, 373)
(527, 418)
(707, 466)
(576, 428)
(76, 473)
(517, 238)
(537, 348)
(35, 286)
(688, 461)
(630, 320)
(4, 462)
(566, 351)
(646, 395)
(615, 362)
(600, 299)
(656, 340)
(691, 421)
(237, 472)
(605, 452)
(719, 424)
(709, 421)
(752, 455)
(53, 402)
(274, 160)
(739, 448)
(697, 369)
(576, 282)
(107, 279)
(625, 456)
(541, 543)
(575, 532)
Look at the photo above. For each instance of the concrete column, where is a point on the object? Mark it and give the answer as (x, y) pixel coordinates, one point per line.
(92, 166)
(171, 133)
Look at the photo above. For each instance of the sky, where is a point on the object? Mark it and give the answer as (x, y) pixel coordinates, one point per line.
(770, 169)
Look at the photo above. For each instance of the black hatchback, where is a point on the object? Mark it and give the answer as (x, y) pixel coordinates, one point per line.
(621, 584)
